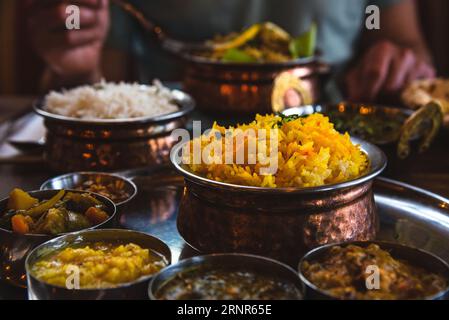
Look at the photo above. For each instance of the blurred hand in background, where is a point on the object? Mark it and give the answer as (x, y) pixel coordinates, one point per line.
(385, 69)
(391, 57)
(71, 55)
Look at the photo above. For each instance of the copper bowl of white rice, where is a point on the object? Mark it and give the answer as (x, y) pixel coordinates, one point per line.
(111, 126)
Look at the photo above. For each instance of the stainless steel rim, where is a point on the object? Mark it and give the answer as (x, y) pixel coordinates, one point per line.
(377, 158)
(93, 228)
(380, 243)
(184, 101)
(44, 186)
(80, 233)
(198, 260)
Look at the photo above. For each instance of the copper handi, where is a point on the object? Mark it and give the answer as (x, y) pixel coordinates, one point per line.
(111, 144)
(282, 223)
(246, 88)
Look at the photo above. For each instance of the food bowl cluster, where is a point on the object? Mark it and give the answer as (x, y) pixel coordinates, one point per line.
(305, 231)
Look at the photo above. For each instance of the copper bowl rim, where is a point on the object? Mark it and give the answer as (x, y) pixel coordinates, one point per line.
(92, 228)
(185, 264)
(129, 182)
(185, 102)
(79, 233)
(383, 245)
(376, 157)
(256, 65)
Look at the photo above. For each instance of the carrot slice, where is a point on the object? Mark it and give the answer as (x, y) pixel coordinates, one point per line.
(19, 224)
(96, 216)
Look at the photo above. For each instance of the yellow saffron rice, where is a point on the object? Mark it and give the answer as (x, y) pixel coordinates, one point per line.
(310, 153)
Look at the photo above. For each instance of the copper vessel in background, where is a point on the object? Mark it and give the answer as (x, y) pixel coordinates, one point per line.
(281, 223)
(245, 88)
(111, 144)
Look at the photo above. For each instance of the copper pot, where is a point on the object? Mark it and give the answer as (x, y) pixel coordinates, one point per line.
(111, 144)
(245, 88)
(282, 223)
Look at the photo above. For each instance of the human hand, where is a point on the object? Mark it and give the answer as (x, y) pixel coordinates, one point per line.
(385, 69)
(68, 53)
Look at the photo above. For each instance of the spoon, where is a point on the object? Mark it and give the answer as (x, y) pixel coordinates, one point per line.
(172, 45)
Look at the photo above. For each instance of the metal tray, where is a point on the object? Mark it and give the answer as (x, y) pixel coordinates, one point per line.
(408, 215)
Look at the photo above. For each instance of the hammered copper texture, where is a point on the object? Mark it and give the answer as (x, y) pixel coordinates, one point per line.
(241, 89)
(103, 148)
(281, 226)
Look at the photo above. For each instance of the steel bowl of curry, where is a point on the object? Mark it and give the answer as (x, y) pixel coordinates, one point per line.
(373, 270)
(95, 264)
(119, 189)
(28, 219)
(226, 277)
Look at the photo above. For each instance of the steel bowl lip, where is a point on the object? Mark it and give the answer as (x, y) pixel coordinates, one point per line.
(295, 110)
(78, 233)
(185, 102)
(199, 260)
(368, 176)
(381, 243)
(95, 227)
(101, 173)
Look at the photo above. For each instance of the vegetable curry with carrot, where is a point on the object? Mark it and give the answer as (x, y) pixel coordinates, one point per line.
(65, 212)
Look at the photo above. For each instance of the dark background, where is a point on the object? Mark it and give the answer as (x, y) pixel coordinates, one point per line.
(20, 68)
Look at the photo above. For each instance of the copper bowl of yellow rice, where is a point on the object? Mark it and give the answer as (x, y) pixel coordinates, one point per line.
(320, 191)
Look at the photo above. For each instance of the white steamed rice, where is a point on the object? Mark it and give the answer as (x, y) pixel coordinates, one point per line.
(107, 100)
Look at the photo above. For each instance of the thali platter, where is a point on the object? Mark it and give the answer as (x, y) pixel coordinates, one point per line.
(407, 215)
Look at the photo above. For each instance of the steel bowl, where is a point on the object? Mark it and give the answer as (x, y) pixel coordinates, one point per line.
(231, 261)
(111, 144)
(39, 290)
(282, 223)
(351, 110)
(15, 247)
(414, 256)
(75, 179)
(245, 88)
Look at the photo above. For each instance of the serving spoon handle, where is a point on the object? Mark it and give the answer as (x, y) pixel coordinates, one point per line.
(168, 43)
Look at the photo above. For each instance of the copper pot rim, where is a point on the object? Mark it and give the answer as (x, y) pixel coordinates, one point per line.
(197, 59)
(377, 159)
(185, 102)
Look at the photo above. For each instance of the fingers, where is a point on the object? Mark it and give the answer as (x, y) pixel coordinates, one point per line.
(67, 39)
(54, 18)
(400, 68)
(422, 70)
(36, 5)
(375, 70)
(385, 68)
(352, 86)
